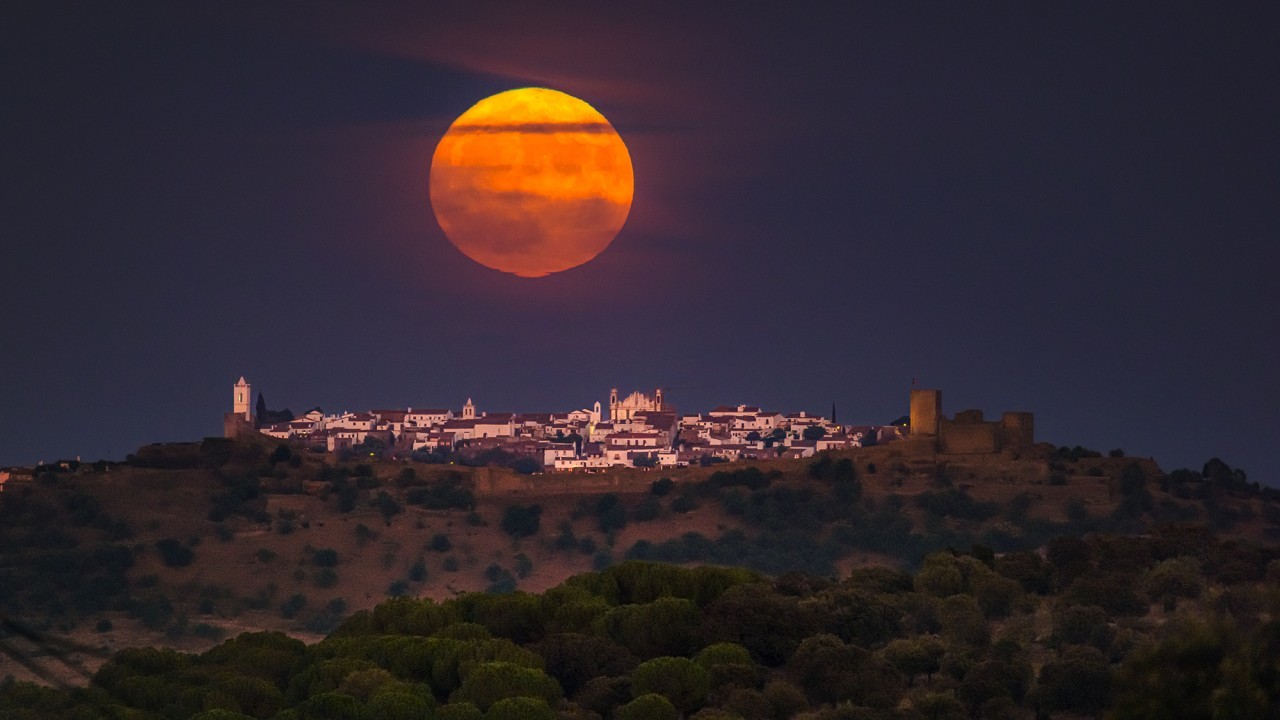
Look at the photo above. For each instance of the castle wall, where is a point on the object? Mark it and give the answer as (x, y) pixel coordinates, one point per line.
(969, 438)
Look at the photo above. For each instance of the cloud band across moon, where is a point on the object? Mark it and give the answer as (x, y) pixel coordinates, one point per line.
(531, 182)
(534, 127)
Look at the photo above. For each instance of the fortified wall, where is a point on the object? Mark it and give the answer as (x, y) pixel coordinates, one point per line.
(968, 433)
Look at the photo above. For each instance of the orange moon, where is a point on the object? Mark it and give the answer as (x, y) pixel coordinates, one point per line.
(531, 181)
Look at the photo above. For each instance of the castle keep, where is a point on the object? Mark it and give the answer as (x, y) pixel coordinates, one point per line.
(968, 433)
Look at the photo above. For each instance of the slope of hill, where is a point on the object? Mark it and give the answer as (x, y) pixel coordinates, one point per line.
(191, 543)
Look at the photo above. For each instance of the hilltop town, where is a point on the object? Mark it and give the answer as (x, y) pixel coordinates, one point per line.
(640, 430)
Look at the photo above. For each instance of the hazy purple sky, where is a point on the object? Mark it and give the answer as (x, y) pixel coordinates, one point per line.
(1070, 209)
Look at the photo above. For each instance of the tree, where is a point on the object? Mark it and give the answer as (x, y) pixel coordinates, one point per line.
(174, 553)
(814, 432)
(921, 655)
(647, 707)
(962, 621)
(522, 520)
(1078, 681)
(325, 557)
(490, 682)
(520, 708)
(835, 671)
(573, 659)
(1177, 577)
(388, 506)
(680, 680)
(723, 654)
(398, 705)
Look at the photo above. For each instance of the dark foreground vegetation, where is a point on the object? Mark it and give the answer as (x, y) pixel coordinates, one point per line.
(1174, 624)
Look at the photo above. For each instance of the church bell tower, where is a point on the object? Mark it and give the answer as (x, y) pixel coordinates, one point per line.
(240, 402)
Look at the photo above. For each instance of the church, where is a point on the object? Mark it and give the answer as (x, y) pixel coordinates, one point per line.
(636, 402)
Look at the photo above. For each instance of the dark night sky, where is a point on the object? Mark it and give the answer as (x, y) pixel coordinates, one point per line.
(1067, 208)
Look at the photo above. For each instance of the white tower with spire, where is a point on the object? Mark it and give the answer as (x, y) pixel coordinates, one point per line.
(469, 410)
(242, 404)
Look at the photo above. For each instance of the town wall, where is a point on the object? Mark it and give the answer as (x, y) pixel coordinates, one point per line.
(234, 425)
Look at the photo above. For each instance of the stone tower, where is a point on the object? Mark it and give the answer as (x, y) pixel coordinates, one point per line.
(239, 422)
(595, 413)
(657, 395)
(613, 405)
(1019, 429)
(241, 402)
(469, 410)
(926, 412)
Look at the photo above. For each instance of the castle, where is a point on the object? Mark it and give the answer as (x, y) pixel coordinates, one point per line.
(968, 433)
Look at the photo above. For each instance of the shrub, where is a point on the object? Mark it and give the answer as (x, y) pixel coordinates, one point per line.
(501, 581)
(440, 543)
(325, 557)
(610, 513)
(648, 510)
(602, 560)
(647, 707)
(293, 606)
(662, 486)
(684, 504)
(388, 506)
(174, 553)
(522, 521)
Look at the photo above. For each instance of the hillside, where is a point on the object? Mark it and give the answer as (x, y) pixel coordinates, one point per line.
(189, 544)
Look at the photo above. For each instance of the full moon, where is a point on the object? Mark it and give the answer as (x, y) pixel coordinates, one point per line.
(531, 181)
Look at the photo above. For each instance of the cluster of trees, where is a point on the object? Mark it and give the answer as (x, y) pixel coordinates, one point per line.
(958, 639)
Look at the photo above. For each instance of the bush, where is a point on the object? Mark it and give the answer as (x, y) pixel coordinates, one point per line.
(684, 504)
(647, 707)
(440, 543)
(388, 506)
(526, 466)
(662, 486)
(451, 492)
(522, 521)
(325, 557)
(610, 513)
(648, 510)
(293, 606)
(174, 553)
(501, 581)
